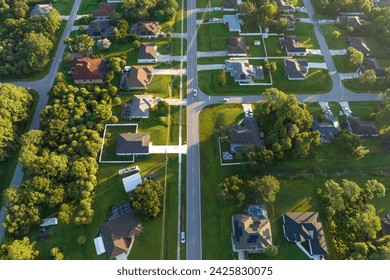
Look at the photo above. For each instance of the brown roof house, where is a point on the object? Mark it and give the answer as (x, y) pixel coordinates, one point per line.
(136, 77)
(105, 11)
(305, 229)
(147, 29)
(88, 70)
(141, 105)
(285, 6)
(247, 134)
(362, 127)
(292, 46)
(100, 28)
(237, 46)
(132, 144)
(290, 20)
(41, 10)
(251, 233)
(231, 4)
(354, 22)
(117, 235)
(360, 45)
(147, 53)
(372, 64)
(296, 69)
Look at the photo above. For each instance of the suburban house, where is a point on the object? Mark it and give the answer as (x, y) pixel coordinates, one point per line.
(100, 28)
(41, 10)
(292, 46)
(237, 46)
(231, 4)
(247, 134)
(88, 70)
(136, 77)
(147, 29)
(141, 105)
(285, 6)
(242, 71)
(360, 45)
(105, 11)
(131, 182)
(354, 22)
(296, 69)
(328, 128)
(305, 229)
(251, 233)
(362, 127)
(386, 224)
(147, 53)
(132, 144)
(117, 235)
(233, 21)
(290, 20)
(372, 64)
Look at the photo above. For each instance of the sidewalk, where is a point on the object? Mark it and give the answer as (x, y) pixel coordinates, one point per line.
(167, 149)
(169, 72)
(211, 67)
(211, 54)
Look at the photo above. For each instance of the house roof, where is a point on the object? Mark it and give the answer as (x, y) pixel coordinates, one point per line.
(98, 28)
(41, 10)
(289, 17)
(105, 10)
(291, 44)
(249, 133)
(132, 143)
(248, 233)
(284, 5)
(131, 182)
(359, 44)
(137, 77)
(305, 227)
(350, 21)
(88, 68)
(236, 45)
(148, 28)
(230, 4)
(117, 233)
(296, 68)
(329, 127)
(386, 224)
(240, 69)
(141, 105)
(372, 64)
(362, 127)
(233, 21)
(147, 51)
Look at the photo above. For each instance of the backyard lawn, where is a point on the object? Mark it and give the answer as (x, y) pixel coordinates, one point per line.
(255, 51)
(213, 37)
(334, 43)
(87, 7)
(305, 33)
(64, 7)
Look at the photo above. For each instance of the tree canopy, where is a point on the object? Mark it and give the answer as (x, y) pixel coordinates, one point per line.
(349, 145)
(146, 198)
(135, 10)
(17, 249)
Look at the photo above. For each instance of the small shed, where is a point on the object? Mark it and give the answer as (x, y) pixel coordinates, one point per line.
(131, 182)
(49, 222)
(99, 245)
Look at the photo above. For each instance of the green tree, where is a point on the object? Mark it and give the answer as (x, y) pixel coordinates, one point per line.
(355, 57)
(262, 189)
(222, 78)
(21, 249)
(349, 145)
(368, 77)
(162, 108)
(336, 34)
(270, 66)
(146, 198)
(271, 251)
(121, 31)
(232, 189)
(103, 44)
(65, 213)
(56, 254)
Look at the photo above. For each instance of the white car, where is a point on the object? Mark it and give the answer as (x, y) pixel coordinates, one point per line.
(224, 99)
(195, 92)
(183, 237)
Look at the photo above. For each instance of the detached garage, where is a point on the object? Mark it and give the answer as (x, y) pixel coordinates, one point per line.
(99, 245)
(131, 182)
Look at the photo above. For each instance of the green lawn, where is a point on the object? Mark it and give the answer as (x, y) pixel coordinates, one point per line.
(212, 60)
(255, 51)
(305, 33)
(160, 86)
(315, 58)
(213, 3)
(272, 44)
(88, 6)
(214, 14)
(213, 37)
(64, 7)
(334, 44)
(356, 86)
(342, 64)
(109, 150)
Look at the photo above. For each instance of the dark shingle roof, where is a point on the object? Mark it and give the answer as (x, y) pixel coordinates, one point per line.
(147, 51)
(247, 134)
(295, 68)
(132, 143)
(236, 45)
(291, 44)
(100, 28)
(372, 64)
(362, 127)
(357, 43)
(329, 127)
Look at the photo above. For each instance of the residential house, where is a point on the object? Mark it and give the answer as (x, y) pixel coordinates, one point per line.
(386, 224)
(231, 4)
(237, 46)
(147, 29)
(240, 70)
(117, 235)
(132, 144)
(296, 69)
(233, 21)
(293, 46)
(147, 53)
(360, 45)
(306, 230)
(372, 64)
(247, 134)
(354, 22)
(88, 70)
(290, 20)
(285, 6)
(105, 11)
(100, 28)
(362, 127)
(251, 233)
(41, 10)
(328, 128)
(141, 105)
(136, 77)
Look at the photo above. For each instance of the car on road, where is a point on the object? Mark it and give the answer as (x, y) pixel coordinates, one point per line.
(182, 237)
(356, 75)
(224, 99)
(250, 112)
(195, 92)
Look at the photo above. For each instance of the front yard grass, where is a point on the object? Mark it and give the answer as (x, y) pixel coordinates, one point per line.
(87, 7)
(305, 33)
(213, 3)
(161, 84)
(335, 44)
(342, 64)
(213, 60)
(356, 86)
(64, 7)
(213, 37)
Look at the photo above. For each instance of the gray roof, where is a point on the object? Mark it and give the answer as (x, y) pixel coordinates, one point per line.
(240, 69)
(147, 51)
(362, 127)
(248, 134)
(141, 105)
(100, 28)
(132, 143)
(117, 233)
(296, 68)
(291, 44)
(372, 64)
(386, 224)
(41, 10)
(233, 21)
(360, 45)
(328, 128)
(350, 21)
(305, 227)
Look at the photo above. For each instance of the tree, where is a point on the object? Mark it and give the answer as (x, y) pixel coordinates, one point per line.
(222, 78)
(19, 250)
(103, 44)
(262, 189)
(80, 43)
(271, 251)
(232, 189)
(56, 254)
(270, 66)
(37, 48)
(65, 213)
(121, 31)
(336, 34)
(162, 108)
(349, 145)
(355, 57)
(146, 198)
(368, 77)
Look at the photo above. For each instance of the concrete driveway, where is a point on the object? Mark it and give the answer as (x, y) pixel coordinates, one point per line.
(338, 52)
(169, 72)
(314, 51)
(348, 76)
(318, 65)
(211, 67)
(211, 54)
(170, 149)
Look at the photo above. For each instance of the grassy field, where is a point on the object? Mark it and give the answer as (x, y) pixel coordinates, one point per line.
(213, 3)
(305, 33)
(212, 60)
(315, 58)
(378, 50)
(334, 44)
(342, 64)
(255, 51)
(214, 14)
(160, 86)
(356, 86)
(213, 37)
(87, 7)
(64, 7)
(272, 44)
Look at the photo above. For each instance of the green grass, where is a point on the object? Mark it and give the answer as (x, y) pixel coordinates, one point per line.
(213, 3)
(214, 14)
(315, 58)
(301, 15)
(255, 51)
(272, 44)
(212, 60)
(87, 7)
(110, 143)
(213, 37)
(305, 33)
(334, 44)
(64, 7)
(160, 86)
(377, 49)
(356, 86)
(342, 64)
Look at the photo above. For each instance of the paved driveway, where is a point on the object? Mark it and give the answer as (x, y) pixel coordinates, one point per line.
(211, 67)
(170, 149)
(338, 52)
(318, 65)
(211, 54)
(169, 71)
(348, 76)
